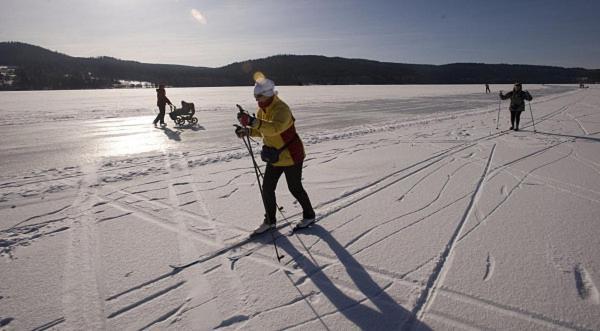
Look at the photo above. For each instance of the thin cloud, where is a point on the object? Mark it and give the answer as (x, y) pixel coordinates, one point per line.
(198, 16)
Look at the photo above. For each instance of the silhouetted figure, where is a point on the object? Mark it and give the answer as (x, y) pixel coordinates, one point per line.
(487, 88)
(161, 102)
(517, 104)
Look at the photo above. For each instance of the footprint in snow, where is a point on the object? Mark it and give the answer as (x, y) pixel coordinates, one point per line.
(585, 286)
(489, 267)
(5, 321)
(232, 320)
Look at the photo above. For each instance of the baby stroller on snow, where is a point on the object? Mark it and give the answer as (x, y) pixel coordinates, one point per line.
(183, 114)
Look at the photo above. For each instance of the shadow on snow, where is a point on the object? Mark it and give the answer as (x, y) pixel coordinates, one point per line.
(386, 315)
(176, 134)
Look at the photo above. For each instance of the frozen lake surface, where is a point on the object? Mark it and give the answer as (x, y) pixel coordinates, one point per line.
(56, 129)
(428, 217)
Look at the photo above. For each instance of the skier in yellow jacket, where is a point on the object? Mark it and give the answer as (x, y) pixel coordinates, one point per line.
(283, 151)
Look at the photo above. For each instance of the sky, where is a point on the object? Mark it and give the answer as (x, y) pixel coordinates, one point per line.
(215, 33)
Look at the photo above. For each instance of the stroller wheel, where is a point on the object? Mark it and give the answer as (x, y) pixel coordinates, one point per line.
(194, 120)
(179, 121)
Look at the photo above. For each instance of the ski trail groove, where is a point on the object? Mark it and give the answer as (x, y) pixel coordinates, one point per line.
(587, 163)
(227, 195)
(187, 203)
(510, 193)
(427, 205)
(197, 282)
(140, 286)
(455, 322)
(380, 240)
(377, 185)
(83, 307)
(346, 308)
(161, 205)
(145, 300)
(515, 312)
(48, 325)
(165, 316)
(113, 217)
(150, 218)
(580, 124)
(440, 271)
(336, 228)
(331, 260)
(418, 267)
(37, 216)
(305, 299)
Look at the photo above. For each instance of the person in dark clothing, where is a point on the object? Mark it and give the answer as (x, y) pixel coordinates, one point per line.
(517, 104)
(275, 124)
(161, 102)
(487, 88)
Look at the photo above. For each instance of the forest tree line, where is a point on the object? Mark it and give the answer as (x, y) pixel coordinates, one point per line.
(29, 67)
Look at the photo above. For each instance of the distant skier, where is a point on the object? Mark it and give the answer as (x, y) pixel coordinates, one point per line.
(161, 102)
(283, 151)
(487, 88)
(517, 104)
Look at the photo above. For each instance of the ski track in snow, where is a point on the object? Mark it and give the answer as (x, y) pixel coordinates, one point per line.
(510, 193)
(438, 275)
(398, 218)
(510, 311)
(82, 301)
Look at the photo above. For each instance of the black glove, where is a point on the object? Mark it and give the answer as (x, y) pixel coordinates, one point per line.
(241, 132)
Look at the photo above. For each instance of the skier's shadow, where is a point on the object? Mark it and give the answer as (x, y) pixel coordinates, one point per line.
(388, 315)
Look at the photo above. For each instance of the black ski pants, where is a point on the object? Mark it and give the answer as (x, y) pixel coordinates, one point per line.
(515, 117)
(161, 115)
(293, 176)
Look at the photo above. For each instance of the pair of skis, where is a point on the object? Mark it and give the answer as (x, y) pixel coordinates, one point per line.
(239, 244)
(530, 111)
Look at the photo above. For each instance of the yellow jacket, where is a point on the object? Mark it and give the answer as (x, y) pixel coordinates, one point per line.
(276, 127)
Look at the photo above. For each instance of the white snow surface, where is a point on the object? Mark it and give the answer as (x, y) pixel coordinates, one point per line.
(428, 217)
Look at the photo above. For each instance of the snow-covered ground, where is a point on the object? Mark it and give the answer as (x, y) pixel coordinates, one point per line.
(429, 217)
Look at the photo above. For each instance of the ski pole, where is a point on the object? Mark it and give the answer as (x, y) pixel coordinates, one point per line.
(256, 170)
(246, 140)
(498, 119)
(279, 208)
(531, 112)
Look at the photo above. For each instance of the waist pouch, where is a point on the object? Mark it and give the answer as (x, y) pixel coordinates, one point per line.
(271, 155)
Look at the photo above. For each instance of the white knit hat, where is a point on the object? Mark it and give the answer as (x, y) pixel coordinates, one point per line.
(264, 87)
